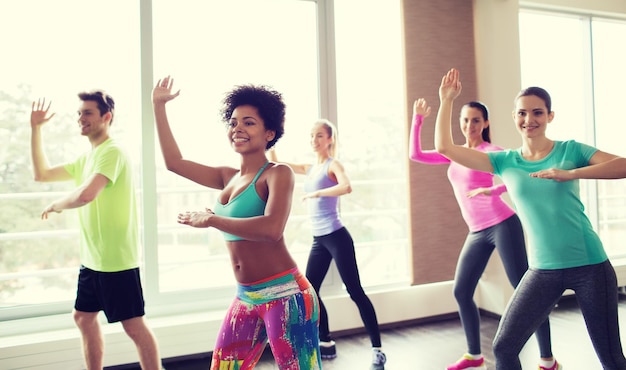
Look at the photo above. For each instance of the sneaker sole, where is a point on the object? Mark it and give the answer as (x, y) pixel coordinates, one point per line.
(560, 367)
(328, 357)
(483, 367)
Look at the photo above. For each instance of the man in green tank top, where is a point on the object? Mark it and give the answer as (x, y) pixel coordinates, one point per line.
(104, 198)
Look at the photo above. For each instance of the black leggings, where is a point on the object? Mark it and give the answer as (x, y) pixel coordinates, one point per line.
(535, 296)
(339, 246)
(508, 238)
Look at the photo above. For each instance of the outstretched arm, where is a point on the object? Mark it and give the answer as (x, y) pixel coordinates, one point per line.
(213, 177)
(39, 115)
(337, 173)
(448, 91)
(602, 166)
(81, 196)
(297, 168)
(421, 110)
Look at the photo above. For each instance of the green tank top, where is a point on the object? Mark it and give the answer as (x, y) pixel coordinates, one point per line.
(245, 204)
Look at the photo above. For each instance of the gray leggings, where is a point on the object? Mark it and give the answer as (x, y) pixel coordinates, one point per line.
(508, 238)
(535, 296)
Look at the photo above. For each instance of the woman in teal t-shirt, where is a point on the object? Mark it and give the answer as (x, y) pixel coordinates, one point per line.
(565, 252)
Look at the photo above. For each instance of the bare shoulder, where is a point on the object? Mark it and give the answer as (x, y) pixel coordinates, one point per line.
(281, 172)
(336, 165)
(281, 168)
(226, 174)
(281, 178)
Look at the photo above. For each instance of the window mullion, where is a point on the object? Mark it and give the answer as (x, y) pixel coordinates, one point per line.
(148, 167)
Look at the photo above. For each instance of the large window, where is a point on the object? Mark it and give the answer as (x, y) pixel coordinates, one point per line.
(575, 58)
(260, 46)
(207, 47)
(366, 116)
(55, 54)
(370, 118)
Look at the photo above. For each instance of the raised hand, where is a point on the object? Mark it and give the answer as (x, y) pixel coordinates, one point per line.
(313, 194)
(39, 113)
(196, 219)
(421, 107)
(162, 92)
(478, 191)
(49, 209)
(450, 87)
(554, 174)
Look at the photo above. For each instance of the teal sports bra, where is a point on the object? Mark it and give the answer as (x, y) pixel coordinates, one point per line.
(245, 204)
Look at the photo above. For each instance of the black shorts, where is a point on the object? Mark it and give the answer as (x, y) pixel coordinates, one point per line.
(118, 294)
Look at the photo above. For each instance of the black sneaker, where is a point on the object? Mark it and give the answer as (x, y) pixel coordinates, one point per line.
(328, 350)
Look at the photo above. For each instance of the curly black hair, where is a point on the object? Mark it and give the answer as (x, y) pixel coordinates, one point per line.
(266, 100)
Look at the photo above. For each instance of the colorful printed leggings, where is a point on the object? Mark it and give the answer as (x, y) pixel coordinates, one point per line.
(282, 309)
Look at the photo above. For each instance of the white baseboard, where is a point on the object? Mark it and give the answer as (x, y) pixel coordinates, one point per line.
(193, 333)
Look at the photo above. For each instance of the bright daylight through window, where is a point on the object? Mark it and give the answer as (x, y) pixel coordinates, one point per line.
(206, 54)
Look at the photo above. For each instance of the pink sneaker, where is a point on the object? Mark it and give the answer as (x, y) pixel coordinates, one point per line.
(556, 366)
(467, 363)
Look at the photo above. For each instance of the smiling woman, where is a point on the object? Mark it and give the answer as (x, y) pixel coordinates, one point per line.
(275, 303)
(586, 105)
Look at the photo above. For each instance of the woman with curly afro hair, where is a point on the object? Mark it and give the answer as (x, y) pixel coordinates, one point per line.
(275, 303)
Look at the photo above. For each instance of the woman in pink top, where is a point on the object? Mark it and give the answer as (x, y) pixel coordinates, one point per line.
(492, 225)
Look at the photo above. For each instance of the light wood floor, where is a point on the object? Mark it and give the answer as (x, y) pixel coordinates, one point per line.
(434, 345)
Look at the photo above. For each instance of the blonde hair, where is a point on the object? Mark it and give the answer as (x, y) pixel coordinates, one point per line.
(331, 129)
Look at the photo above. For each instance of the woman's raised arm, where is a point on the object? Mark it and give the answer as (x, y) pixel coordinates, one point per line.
(448, 91)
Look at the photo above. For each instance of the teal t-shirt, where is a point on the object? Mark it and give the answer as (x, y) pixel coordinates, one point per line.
(559, 233)
(109, 236)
